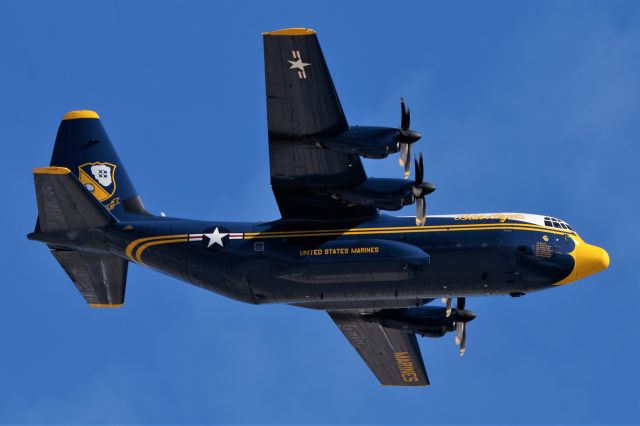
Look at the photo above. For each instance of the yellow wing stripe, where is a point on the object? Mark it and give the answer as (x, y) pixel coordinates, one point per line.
(53, 170)
(105, 305)
(83, 113)
(291, 32)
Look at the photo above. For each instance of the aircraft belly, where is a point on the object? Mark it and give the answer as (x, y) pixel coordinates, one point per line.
(481, 263)
(220, 275)
(383, 283)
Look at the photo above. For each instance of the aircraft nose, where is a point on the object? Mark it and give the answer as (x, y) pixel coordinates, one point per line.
(590, 259)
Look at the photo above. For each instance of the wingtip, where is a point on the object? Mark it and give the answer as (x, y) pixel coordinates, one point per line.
(82, 113)
(291, 32)
(105, 305)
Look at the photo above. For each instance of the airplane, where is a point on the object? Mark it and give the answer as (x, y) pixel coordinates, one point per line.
(332, 249)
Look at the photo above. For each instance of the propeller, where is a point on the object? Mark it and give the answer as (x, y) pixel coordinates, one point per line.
(407, 137)
(419, 190)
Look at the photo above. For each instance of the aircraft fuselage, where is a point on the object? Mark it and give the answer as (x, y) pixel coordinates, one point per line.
(383, 262)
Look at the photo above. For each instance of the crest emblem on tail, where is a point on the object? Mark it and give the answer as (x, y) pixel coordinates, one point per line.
(99, 179)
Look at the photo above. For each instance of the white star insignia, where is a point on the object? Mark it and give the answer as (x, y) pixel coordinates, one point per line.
(297, 64)
(215, 238)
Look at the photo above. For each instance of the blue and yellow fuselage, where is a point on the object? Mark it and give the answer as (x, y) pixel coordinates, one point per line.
(383, 262)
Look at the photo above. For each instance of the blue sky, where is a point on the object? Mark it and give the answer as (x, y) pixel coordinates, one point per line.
(524, 106)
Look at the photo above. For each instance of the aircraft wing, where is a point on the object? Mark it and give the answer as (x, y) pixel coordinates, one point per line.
(302, 102)
(393, 355)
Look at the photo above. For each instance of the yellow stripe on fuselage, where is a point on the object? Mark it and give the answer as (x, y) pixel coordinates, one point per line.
(135, 243)
(144, 246)
(405, 229)
(136, 248)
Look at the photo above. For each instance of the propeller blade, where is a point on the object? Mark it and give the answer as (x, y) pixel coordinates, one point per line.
(461, 303)
(407, 162)
(463, 341)
(448, 307)
(405, 118)
(421, 211)
(459, 332)
(403, 154)
(424, 212)
(419, 172)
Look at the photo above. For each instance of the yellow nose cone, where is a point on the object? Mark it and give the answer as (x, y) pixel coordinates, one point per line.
(589, 260)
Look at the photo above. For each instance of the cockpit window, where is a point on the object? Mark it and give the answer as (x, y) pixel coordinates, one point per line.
(556, 223)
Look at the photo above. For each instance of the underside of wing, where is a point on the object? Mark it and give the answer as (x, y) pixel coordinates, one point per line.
(301, 98)
(302, 104)
(393, 355)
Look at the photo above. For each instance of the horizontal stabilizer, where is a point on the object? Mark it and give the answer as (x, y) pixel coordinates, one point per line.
(100, 278)
(64, 203)
(67, 213)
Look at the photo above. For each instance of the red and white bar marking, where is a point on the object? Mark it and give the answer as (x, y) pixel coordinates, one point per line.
(296, 55)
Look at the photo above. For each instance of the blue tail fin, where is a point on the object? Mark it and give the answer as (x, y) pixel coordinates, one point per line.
(82, 146)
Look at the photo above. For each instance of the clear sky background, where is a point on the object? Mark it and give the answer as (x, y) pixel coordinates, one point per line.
(524, 106)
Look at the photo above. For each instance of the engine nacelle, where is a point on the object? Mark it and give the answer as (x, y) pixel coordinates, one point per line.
(430, 321)
(381, 193)
(367, 141)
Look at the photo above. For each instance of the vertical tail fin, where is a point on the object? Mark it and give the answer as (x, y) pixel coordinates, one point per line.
(83, 146)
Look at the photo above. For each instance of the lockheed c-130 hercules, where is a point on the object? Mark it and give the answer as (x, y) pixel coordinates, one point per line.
(332, 249)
